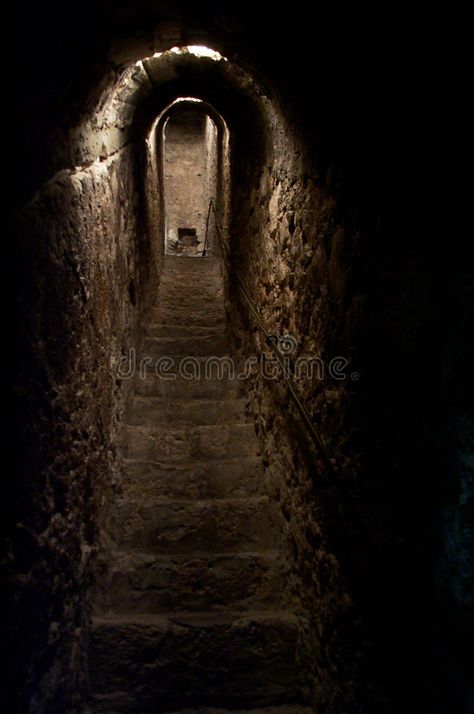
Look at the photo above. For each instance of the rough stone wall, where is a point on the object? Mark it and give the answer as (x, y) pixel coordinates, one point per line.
(279, 217)
(152, 195)
(329, 261)
(76, 316)
(214, 179)
(84, 256)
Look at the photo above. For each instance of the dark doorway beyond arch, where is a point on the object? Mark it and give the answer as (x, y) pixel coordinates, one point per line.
(190, 178)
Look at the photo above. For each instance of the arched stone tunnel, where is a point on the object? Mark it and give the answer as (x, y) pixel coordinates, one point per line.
(185, 545)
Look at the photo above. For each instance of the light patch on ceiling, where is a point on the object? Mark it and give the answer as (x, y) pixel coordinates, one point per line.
(188, 99)
(196, 50)
(202, 51)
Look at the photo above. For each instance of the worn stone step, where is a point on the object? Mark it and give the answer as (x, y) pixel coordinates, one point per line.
(184, 412)
(204, 286)
(201, 272)
(217, 441)
(153, 663)
(145, 582)
(212, 479)
(196, 299)
(194, 346)
(211, 318)
(193, 298)
(207, 385)
(173, 313)
(285, 709)
(191, 274)
(156, 329)
(215, 525)
(187, 264)
(171, 367)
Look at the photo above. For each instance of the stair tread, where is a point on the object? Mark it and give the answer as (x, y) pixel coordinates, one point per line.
(189, 524)
(150, 555)
(192, 427)
(184, 338)
(159, 329)
(192, 479)
(200, 502)
(200, 358)
(196, 619)
(183, 259)
(194, 328)
(181, 413)
(188, 401)
(168, 662)
(180, 443)
(284, 709)
(193, 463)
(207, 386)
(146, 581)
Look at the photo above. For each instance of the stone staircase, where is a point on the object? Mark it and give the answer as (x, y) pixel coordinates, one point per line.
(197, 618)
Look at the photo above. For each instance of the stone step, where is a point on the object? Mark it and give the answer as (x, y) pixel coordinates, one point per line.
(285, 709)
(191, 297)
(217, 441)
(205, 386)
(153, 663)
(187, 265)
(231, 478)
(205, 286)
(145, 582)
(194, 346)
(173, 313)
(215, 525)
(184, 412)
(160, 330)
(171, 367)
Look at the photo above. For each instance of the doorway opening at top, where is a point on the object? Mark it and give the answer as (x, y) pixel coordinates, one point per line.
(188, 183)
(190, 141)
(190, 179)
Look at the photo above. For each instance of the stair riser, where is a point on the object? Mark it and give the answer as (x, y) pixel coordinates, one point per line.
(158, 330)
(285, 709)
(208, 480)
(197, 443)
(158, 669)
(194, 289)
(185, 317)
(185, 265)
(176, 301)
(214, 526)
(179, 388)
(203, 583)
(165, 412)
(184, 346)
